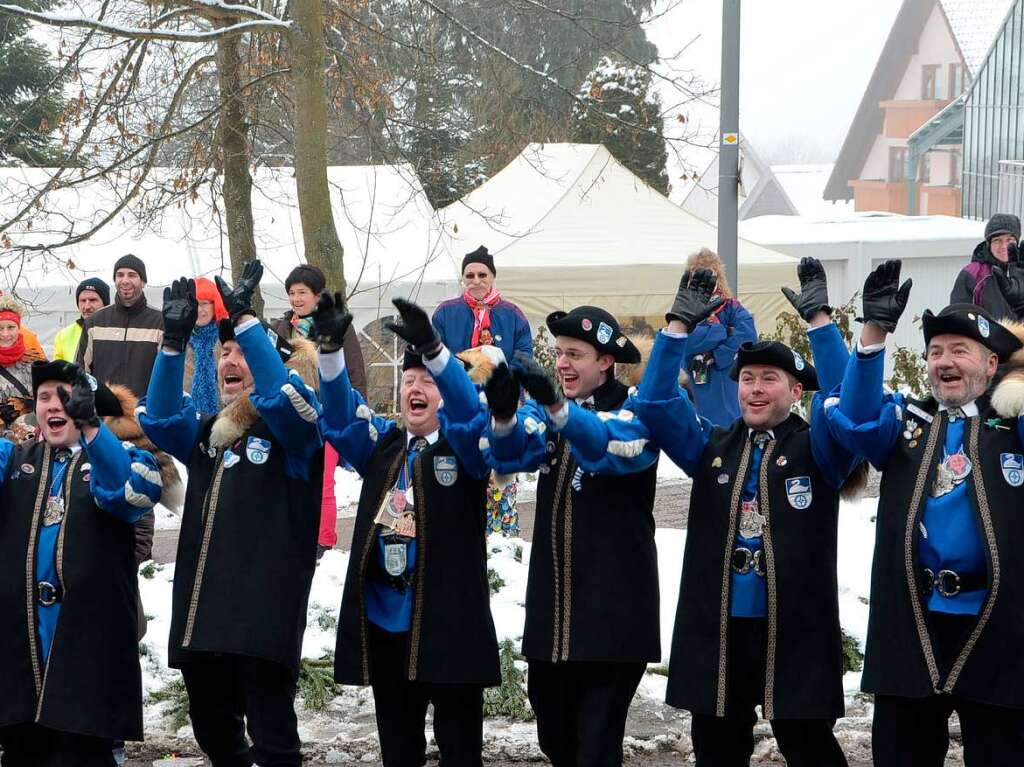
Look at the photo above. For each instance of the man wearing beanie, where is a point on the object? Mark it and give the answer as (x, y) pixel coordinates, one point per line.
(91, 295)
(119, 343)
(979, 282)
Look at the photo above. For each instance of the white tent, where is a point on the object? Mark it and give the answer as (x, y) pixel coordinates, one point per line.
(568, 225)
(386, 224)
(933, 249)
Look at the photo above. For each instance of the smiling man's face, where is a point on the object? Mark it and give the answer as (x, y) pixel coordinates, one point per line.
(54, 425)
(420, 400)
(959, 369)
(233, 376)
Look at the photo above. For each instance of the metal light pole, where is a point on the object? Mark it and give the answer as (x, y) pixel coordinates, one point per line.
(729, 150)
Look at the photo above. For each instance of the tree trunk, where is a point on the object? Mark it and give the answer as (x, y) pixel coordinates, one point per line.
(233, 138)
(306, 49)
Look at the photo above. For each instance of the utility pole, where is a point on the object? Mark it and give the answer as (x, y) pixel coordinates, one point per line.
(729, 147)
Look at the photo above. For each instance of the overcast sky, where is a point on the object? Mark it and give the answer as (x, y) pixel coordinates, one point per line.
(804, 64)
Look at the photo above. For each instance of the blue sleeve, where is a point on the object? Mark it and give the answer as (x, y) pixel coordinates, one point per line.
(289, 407)
(676, 428)
(741, 325)
(463, 417)
(524, 338)
(437, 320)
(830, 355)
(861, 395)
(6, 451)
(348, 423)
(705, 337)
(611, 442)
(661, 376)
(866, 421)
(524, 448)
(167, 416)
(1020, 434)
(124, 481)
(833, 460)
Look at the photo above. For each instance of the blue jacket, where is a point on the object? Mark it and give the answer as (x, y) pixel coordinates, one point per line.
(453, 319)
(718, 339)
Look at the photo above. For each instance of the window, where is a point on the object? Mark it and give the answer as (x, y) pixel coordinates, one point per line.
(954, 169)
(897, 164)
(956, 80)
(929, 81)
(924, 168)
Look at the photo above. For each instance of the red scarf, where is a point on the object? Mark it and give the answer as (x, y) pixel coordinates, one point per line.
(482, 316)
(11, 354)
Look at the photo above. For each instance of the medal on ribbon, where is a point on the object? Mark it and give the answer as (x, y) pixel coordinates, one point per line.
(53, 514)
(751, 520)
(951, 471)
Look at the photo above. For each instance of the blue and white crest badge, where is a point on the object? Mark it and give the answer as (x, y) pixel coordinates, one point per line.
(1012, 465)
(446, 470)
(798, 492)
(798, 361)
(604, 333)
(231, 459)
(983, 326)
(257, 450)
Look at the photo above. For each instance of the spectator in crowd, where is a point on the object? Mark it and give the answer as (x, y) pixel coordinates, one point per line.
(974, 284)
(713, 344)
(15, 358)
(91, 295)
(203, 350)
(479, 317)
(120, 342)
(305, 284)
(31, 339)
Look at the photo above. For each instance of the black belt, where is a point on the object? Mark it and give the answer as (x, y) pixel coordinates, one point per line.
(949, 583)
(744, 560)
(47, 594)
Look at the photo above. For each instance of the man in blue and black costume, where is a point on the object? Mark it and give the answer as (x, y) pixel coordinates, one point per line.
(947, 582)
(69, 656)
(758, 617)
(415, 620)
(592, 594)
(247, 547)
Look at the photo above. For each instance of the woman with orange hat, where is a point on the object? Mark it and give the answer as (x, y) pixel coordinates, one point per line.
(15, 359)
(203, 349)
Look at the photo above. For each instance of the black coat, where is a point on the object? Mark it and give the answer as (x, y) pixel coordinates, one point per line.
(900, 657)
(592, 592)
(451, 639)
(92, 683)
(246, 553)
(991, 297)
(804, 667)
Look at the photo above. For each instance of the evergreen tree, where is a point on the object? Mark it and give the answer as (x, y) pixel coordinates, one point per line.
(620, 110)
(31, 100)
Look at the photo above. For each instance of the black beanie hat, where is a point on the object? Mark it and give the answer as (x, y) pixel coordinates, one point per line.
(1002, 223)
(310, 276)
(480, 256)
(131, 262)
(97, 285)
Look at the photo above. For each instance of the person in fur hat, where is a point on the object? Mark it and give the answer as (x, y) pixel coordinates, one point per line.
(947, 581)
(415, 621)
(592, 595)
(758, 616)
(247, 547)
(69, 501)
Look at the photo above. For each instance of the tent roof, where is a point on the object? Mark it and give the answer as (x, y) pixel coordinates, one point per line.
(384, 220)
(560, 205)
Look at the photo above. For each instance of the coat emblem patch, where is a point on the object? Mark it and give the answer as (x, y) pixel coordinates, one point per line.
(798, 492)
(1012, 465)
(446, 470)
(257, 450)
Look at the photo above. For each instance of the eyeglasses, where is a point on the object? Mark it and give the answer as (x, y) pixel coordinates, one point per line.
(477, 276)
(574, 355)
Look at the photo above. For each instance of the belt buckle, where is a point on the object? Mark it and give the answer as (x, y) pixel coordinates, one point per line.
(928, 586)
(47, 593)
(748, 560)
(940, 583)
(759, 563)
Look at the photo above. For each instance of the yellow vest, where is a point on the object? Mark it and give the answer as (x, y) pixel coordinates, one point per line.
(65, 343)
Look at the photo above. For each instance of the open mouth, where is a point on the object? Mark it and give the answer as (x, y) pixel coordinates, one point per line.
(950, 378)
(56, 422)
(757, 404)
(569, 379)
(232, 380)
(417, 405)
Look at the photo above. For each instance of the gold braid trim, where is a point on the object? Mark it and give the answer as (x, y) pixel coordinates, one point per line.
(773, 592)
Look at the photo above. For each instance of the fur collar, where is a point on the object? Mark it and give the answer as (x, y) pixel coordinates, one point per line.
(233, 421)
(1008, 395)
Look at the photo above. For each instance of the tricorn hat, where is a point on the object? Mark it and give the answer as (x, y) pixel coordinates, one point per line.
(777, 355)
(596, 327)
(973, 322)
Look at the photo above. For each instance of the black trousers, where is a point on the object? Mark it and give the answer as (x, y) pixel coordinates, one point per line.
(229, 694)
(914, 732)
(29, 745)
(581, 709)
(401, 708)
(729, 741)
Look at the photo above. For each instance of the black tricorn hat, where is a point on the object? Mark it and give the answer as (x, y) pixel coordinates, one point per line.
(596, 327)
(226, 332)
(107, 402)
(777, 355)
(973, 322)
(411, 359)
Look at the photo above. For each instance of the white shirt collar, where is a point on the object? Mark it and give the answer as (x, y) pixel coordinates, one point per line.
(771, 432)
(431, 438)
(970, 409)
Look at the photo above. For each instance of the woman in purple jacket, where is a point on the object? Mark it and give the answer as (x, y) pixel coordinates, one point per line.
(712, 345)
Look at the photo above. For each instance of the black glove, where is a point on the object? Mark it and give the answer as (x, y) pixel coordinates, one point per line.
(502, 390)
(238, 300)
(1013, 254)
(537, 381)
(1010, 279)
(80, 403)
(884, 297)
(694, 302)
(415, 329)
(331, 322)
(180, 310)
(813, 295)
